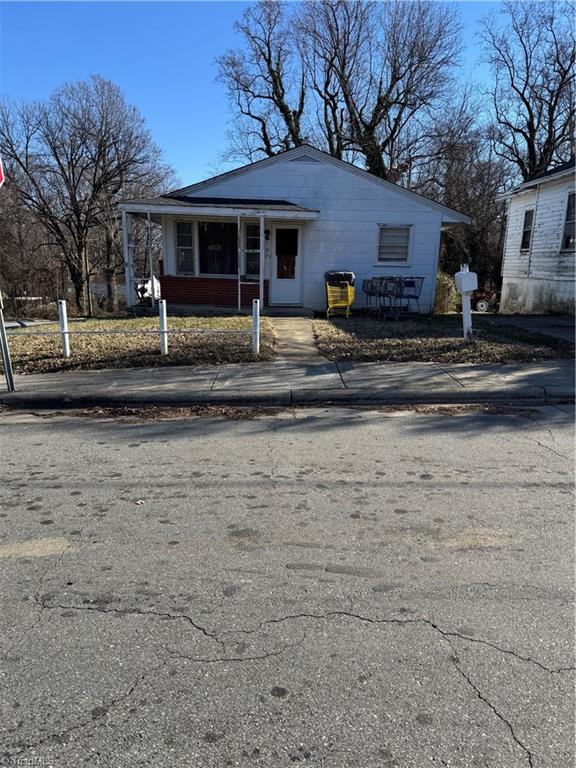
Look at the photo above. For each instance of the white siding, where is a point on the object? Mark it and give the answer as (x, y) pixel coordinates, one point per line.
(542, 278)
(345, 234)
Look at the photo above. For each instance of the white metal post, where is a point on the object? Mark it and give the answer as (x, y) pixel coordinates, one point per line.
(256, 326)
(63, 315)
(150, 257)
(262, 260)
(5, 351)
(466, 315)
(163, 327)
(466, 308)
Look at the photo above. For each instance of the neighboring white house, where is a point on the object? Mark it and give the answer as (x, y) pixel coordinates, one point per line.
(272, 228)
(538, 266)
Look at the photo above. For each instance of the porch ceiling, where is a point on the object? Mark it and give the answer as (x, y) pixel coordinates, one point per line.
(214, 206)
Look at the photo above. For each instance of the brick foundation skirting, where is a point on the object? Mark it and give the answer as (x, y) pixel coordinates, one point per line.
(218, 291)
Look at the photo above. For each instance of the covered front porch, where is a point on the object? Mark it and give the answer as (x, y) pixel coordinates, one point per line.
(220, 252)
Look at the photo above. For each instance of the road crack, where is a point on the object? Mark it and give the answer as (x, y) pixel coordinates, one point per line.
(137, 612)
(498, 714)
(98, 713)
(443, 632)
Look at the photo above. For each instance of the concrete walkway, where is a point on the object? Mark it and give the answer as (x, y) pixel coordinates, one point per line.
(295, 340)
(285, 382)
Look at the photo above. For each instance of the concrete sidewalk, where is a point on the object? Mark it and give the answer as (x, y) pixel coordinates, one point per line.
(284, 382)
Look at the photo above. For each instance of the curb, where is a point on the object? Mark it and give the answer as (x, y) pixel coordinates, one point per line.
(287, 398)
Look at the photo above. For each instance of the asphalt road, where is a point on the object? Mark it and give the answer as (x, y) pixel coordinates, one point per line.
(317, 588)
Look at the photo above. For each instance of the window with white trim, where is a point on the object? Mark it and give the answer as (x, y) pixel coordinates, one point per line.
(568, 235)
(393, 244)
(527, 229)
(185, 247)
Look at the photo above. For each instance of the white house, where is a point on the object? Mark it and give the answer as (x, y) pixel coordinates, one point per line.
(272, 228)
(539, 249)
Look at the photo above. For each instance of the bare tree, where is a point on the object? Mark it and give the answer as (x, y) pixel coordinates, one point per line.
(29, 266)
(265, 82)
(532, 96)
(392, 63)
(351, 77)
(70, 157)
(464, 173)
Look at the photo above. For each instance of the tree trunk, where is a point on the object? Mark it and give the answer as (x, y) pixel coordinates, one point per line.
(78, 281)
(111, 292)
(110, 275)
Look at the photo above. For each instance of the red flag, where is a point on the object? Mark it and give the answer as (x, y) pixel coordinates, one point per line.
(1, 173)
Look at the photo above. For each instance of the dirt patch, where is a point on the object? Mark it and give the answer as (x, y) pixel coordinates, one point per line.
(34, 548)
(138, 414)
(459, 410)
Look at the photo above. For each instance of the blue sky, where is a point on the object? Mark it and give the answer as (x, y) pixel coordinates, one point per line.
(162, 56)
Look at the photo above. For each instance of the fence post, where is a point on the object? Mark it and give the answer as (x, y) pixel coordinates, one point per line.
(62, 314)
(5, 350)
(163, 327)
(256, 326)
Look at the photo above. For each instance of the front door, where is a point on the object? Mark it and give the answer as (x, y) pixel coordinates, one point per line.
(285, 281)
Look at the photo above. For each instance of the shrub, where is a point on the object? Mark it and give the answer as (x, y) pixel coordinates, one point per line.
(447, 297)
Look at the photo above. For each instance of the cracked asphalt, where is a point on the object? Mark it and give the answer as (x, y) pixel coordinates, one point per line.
(318, 587)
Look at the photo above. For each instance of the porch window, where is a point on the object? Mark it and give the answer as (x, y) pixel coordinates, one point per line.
(218, 248)
(252, 249)
(393, 244)
(185, 247)
(527, 229)
(568, 236)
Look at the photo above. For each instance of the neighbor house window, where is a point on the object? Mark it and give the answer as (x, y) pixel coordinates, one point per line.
(527, 229)
(185, 247)
(568, 239)
(252, 249)
(218, 248)
(393, 244)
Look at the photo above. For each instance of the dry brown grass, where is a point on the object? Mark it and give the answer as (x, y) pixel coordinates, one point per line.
(431, 339)
(215, 340)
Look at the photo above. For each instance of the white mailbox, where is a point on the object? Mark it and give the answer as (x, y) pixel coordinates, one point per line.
(466, 282)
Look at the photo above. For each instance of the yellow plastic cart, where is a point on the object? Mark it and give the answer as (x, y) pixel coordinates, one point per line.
(340, 292)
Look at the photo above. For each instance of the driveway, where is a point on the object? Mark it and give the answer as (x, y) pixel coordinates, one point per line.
(330, 588)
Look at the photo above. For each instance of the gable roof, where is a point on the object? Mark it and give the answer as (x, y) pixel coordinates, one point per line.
(307, 153)
(567, 166)
(552, 174)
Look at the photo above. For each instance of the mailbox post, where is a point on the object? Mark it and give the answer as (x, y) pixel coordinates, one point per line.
(466, 284)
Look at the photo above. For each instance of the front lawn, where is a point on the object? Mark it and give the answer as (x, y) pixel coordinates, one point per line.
(430, 338)
(223, 339)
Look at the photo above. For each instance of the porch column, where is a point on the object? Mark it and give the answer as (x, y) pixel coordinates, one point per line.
(128, 260)
(150, 256)
(262, 261)
(239, 262)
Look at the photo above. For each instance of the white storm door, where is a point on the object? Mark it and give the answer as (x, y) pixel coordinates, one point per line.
(286, 273)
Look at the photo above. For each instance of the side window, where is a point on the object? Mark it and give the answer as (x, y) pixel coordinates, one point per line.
(527, 229)
(184, 247)
(393, 245)
(568, 239)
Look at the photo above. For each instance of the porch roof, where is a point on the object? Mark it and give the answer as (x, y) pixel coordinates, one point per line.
(218, 206)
